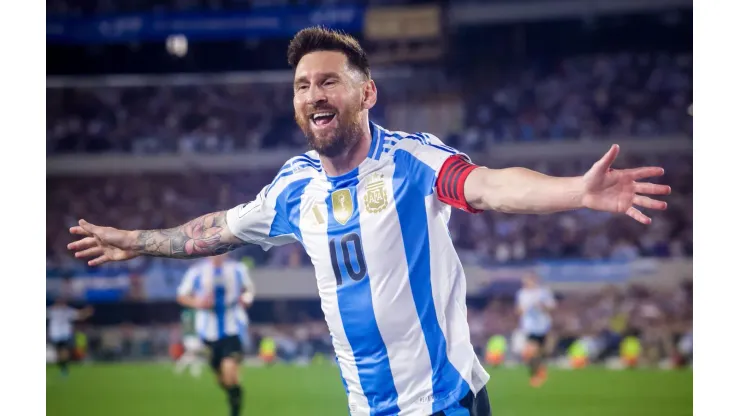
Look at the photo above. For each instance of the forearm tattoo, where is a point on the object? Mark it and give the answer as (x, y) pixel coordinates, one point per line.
(202, 237)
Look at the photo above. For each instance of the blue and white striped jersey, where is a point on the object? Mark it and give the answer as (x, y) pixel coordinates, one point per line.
(535, 319)
(391, 284)
(225, 284)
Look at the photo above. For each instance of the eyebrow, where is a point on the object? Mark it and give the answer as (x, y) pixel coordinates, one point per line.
(304, 79)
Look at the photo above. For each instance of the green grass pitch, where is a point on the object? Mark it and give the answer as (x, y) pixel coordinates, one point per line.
(316, 390)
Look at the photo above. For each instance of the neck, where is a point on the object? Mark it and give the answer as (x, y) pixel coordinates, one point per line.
(352, 157)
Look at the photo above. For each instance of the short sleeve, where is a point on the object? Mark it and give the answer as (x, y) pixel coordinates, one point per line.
(430, 150)
(440, 168)
(259, 222)
(187, 285)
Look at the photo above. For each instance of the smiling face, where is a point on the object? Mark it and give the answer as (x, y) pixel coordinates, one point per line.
(330, 99)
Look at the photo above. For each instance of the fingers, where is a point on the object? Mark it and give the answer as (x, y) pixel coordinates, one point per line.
(90, 252)
(652, 189)
(638, 216)
(83, 244)
(98, 261)
(79, 231)
(641, 173)
(90, 228)
(608, 159)
(649, 203)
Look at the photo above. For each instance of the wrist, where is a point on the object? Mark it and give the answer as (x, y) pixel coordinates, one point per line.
(577, 191)
(134, 241)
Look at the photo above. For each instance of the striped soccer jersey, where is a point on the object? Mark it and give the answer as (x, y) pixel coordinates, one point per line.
(391, 284)
(225, 284)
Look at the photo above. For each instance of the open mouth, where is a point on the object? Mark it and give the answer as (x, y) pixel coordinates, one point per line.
(323, 118)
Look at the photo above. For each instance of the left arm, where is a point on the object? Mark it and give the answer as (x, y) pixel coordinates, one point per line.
(523, 191)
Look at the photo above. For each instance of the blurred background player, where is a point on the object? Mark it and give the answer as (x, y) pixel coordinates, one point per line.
(192, 345)
(217, 289)
(61, 329)
(534, 304)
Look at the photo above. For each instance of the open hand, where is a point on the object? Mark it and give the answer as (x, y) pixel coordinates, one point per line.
(617, 190)
(103, 243)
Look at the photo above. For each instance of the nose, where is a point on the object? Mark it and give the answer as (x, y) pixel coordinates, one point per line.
(316, 95)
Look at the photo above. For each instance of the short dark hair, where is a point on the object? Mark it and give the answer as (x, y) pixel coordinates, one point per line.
(319, 38)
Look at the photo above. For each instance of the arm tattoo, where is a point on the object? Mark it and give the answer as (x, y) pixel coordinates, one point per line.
(202, 237)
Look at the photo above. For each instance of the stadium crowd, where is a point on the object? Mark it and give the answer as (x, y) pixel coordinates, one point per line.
(586, 97)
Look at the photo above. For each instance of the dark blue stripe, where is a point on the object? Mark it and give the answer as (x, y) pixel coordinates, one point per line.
(196, 284)
(305, 159)
(354, 300)
(410, 179)
(219, 304)
(381, 143)
(288, 206)
(420, 137)
(373, 141)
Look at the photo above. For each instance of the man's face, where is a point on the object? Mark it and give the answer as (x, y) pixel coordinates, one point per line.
(529, 281)
(328, 102)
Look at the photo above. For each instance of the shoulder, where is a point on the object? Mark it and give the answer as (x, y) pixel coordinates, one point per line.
(296, 169)
(394, 141)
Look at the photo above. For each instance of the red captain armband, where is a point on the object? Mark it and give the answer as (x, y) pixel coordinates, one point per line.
(451, 182)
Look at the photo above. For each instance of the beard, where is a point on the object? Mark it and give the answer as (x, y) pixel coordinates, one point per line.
(334, 142)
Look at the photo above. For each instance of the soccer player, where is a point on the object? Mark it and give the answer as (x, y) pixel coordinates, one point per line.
(534, 304)
(61, 329)
(370, 206)
(216, 289)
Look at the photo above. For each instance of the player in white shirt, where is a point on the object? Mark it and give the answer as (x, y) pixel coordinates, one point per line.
(534, 305)
(61, 319)
(371, 206)
(219, 289)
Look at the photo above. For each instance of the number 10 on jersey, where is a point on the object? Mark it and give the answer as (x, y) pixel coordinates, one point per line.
(352, 256)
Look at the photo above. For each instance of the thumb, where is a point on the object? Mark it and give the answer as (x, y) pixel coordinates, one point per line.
(608, 159)
(90, 228)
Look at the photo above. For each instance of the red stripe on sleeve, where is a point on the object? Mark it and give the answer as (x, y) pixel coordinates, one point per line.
(451, 182)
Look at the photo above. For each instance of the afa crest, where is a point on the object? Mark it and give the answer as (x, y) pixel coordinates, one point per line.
(376, 198)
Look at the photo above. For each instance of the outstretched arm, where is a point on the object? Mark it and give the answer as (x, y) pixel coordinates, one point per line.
(208, 235)
(204, 236)
(520, 190)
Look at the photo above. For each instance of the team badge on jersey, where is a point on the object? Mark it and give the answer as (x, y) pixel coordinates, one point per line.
(342, 208)
(376, 199)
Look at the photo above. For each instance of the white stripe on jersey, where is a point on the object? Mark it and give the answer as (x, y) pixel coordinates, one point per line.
(445, 287)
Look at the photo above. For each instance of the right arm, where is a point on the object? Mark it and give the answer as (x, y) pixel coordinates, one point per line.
(207, 235)
(259, 222)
